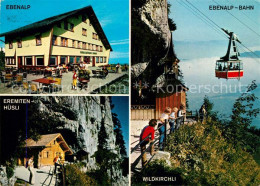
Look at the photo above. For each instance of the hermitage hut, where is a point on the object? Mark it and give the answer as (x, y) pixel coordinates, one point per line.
(46, 149)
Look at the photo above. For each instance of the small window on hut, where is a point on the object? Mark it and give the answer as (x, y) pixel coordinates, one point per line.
(84, 32)
(10, 44)
(19, 43)
(45, 154)
(38, 40)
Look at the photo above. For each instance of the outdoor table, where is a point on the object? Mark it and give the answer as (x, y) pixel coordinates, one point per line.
(45, 81)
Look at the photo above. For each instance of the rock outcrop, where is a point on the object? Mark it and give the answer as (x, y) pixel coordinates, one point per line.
(151, 37)
(82, 118)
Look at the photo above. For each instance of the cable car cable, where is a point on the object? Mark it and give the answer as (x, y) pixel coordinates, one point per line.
(246, 15)
(203, 14)
(238, 20)
(203, 19)
(220, 27)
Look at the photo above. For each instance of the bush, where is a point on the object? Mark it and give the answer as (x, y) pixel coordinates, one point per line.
(9, 172)
(74, 176)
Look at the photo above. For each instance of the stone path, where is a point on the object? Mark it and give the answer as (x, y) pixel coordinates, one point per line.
(42, 176)
(66, 82)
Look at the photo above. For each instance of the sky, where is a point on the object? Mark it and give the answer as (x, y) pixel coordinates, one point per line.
(194, 38)
(113, 16)
(122, 110)
(198, 46)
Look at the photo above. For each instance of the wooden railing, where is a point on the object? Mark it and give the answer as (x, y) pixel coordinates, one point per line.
(142, 112)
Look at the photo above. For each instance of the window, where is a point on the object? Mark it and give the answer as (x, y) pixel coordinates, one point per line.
(63, 60)
(97, 59)
(94, 36)
(78, 59)
(64, 41)
(54, 40)
(40, 61)
(66, 25)
(101, 49)
(28, 61)
(84, 45)
(71, 27)
(97, 48)
(38, 40)
(53, 61)
(94, 47)
(90, 46)
(84, 32)
(10, 44)
(54, 141)
(105, 59)
(101, 59)
(71, 59)
(58, 154)
(10, 60)
(45, 154)
(19, 43)
(73, 43)
(79, 43)
(84, 18)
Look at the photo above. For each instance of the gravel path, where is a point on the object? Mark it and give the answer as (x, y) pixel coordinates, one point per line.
(42, 176)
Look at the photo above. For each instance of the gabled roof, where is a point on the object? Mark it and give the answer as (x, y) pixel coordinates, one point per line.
(45, 140)
(49, 22)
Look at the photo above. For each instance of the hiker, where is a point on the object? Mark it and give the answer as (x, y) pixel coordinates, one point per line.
(31, 169)
(117, 67)
(57, 163)
(202, 113)
(164, 117)
(147, 130)
(180, 117)
(74, 80)
(172, 119)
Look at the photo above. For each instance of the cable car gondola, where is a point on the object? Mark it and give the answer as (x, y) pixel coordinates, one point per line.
(230, 66)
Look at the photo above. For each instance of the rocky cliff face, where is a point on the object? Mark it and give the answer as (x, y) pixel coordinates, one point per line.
(151, 39)
(83, 117)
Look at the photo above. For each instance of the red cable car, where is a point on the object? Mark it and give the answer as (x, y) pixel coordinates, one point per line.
(230, 66)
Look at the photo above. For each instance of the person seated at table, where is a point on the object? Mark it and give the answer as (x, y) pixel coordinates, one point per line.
(74, 80)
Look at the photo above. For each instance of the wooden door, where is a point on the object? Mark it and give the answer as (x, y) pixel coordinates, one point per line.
(93, 61)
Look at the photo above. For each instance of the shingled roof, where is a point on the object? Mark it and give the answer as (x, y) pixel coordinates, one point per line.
(49, 22)
(46, 139)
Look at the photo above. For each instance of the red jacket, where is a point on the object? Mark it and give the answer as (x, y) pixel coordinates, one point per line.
(146, 132)
(74, 76)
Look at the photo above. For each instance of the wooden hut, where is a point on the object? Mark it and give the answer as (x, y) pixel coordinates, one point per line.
(46, 149)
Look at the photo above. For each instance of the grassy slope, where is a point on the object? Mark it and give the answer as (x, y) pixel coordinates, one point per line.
(200, 155)
(202, 152)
